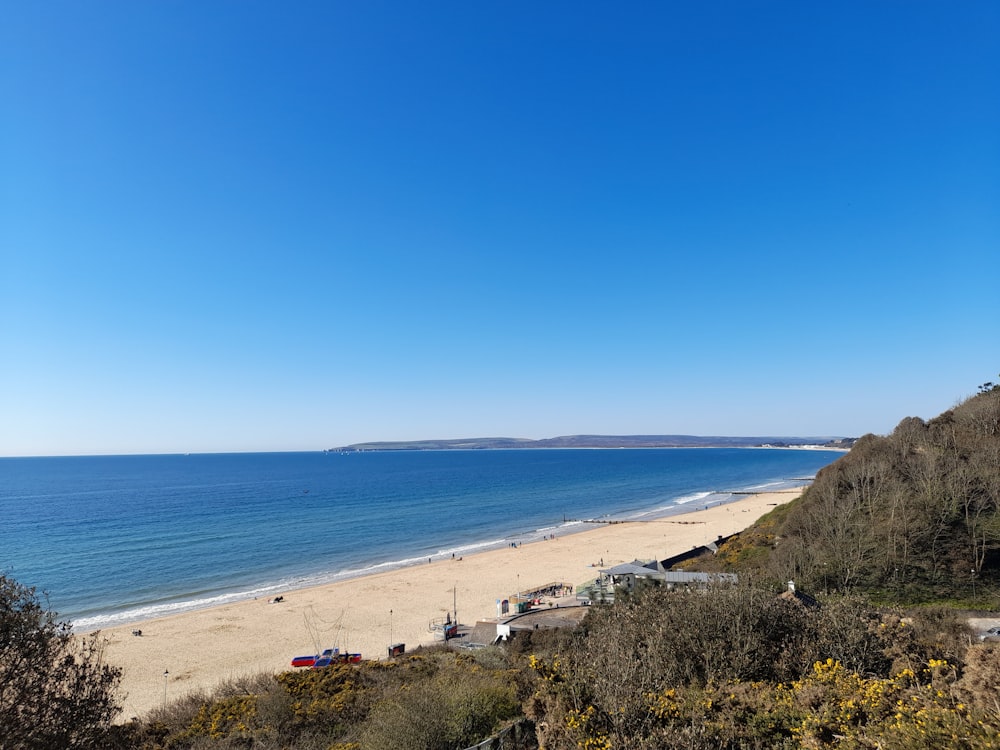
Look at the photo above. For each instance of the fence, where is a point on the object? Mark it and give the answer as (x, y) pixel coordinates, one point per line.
(518, 736)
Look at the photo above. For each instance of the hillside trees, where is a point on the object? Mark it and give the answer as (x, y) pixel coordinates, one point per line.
(55, 690)
(911, 516)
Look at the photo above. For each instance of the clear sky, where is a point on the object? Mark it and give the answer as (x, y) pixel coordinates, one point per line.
(240, 225)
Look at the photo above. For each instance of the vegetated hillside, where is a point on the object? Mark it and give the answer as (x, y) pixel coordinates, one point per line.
(910, 517)
(734, 668)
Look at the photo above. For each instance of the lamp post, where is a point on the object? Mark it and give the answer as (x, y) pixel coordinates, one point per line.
(166, 674)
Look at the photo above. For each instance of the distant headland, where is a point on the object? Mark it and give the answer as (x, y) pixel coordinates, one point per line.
(603, 441)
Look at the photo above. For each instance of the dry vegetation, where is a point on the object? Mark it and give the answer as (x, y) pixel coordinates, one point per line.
(732, 667)
(911, 517)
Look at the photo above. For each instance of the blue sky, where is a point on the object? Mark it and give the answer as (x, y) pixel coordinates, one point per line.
(235, 226)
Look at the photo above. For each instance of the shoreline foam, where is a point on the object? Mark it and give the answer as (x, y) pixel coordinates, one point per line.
(165, 608)
(197, 649)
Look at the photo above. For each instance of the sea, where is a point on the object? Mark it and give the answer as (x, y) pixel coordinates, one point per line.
(110, 540)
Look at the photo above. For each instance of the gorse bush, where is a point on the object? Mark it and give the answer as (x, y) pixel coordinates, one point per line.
(831, 706)
(451, 709)
(739, 667)
(429, 699)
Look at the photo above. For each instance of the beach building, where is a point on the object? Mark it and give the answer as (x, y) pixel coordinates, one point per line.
(502, 629)
(629, 576)
(795, 595)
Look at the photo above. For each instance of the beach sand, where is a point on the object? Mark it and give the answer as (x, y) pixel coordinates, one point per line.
(198, 650)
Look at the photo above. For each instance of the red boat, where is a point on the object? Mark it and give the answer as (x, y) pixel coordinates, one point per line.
(325, 659)
(310, 661)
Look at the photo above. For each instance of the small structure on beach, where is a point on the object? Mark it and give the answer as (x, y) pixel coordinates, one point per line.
(629, 576)
(442, 630)
(524, 600)
(502, 629)
(801, 597)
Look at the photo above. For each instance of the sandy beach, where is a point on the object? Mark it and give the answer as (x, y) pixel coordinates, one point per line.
(197, 650)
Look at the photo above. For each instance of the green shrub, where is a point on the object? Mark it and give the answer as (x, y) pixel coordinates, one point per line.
(55, 690)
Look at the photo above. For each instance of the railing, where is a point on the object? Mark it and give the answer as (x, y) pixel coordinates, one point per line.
(518, 735)
(556, 588)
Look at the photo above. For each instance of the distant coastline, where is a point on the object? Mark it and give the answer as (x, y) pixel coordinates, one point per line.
(603, 441)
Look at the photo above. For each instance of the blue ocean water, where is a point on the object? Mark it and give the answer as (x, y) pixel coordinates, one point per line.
(116, 539)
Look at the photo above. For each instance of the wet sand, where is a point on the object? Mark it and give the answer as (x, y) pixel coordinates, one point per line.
(199, 649)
